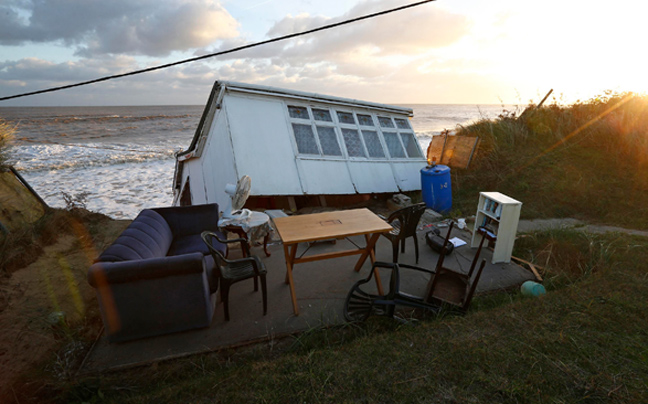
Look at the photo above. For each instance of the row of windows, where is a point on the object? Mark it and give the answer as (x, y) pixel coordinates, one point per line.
(359, 133)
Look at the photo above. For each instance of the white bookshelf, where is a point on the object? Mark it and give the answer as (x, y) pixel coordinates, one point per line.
(499, 214)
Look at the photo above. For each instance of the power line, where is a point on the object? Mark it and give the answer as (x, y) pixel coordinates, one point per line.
(240, 48)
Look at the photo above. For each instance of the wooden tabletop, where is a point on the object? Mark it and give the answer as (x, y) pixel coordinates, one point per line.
(327, 225)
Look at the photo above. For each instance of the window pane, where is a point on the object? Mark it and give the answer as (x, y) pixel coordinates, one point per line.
(322, 115)
(346, 117)
(353, 143)
(372, 142)
(410, 145)
(298, 112)
(365, 120)
(393, 145)
(305, 139)
(402, 123)
(328, 141)
(385, 122)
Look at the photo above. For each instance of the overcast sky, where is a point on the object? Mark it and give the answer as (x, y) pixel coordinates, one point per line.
(461, 51)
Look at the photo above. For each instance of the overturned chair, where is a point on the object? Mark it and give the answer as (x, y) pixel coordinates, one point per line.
(446, 288)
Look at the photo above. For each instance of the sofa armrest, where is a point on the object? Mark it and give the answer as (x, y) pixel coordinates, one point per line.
(102, 273)
(189, 220)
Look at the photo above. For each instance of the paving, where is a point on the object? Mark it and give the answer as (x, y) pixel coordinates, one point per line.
(321, 288)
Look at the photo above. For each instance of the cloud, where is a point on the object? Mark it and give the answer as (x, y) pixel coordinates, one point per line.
(96, 27)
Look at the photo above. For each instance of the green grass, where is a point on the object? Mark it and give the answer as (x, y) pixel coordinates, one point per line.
(584, 341)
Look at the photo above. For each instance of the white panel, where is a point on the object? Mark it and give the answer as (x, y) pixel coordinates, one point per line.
(218, 161)
(194, 170)
(408, 175)
(325, 177)
(372, 177)
(262, 145)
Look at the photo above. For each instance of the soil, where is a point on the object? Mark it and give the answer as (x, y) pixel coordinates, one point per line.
(47, 311)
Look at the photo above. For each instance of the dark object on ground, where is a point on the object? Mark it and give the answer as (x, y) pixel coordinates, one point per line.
(360, 304)
(449, 287)
(446, 287)
(434, 240)
(231, 271)
(404, 221)
(156, 278)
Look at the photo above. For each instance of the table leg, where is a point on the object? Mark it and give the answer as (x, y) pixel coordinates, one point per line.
(265, 244)
(368, 250)
(290, 252)
(372, 256)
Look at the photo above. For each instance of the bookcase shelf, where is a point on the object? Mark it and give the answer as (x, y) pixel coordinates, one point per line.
(500, 214)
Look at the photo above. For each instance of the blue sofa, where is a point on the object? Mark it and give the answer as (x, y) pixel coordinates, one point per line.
(157, 277)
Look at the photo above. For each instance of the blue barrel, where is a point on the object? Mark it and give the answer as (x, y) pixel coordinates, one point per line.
(436, 189)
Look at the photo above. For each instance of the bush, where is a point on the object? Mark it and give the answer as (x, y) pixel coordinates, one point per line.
(6, 136)
(588, 160)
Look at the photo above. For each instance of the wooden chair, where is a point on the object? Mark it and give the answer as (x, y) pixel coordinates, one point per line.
(233, 271)
(456, 289)
(404, 222)
(446, 287)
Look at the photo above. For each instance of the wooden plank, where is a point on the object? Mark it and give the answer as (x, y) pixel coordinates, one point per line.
(532, 266)
(435, 148)
(463, 151)
(453, 151)
(328, 255)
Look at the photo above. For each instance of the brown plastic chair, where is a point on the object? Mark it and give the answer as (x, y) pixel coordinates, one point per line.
(404, 222)
(456, 289)
(232, 271)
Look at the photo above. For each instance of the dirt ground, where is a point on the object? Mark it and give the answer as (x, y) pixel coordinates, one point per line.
(46, 308)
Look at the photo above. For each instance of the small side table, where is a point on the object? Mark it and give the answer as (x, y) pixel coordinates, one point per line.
(253, 227)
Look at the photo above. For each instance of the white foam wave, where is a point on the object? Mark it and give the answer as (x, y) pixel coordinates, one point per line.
(39, 157)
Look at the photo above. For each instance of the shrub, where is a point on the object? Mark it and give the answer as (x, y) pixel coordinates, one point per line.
(6, 136)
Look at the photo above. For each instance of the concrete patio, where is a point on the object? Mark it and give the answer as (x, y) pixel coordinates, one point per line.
(321, 288)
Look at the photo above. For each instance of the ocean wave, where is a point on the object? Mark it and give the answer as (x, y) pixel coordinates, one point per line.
(58, 156)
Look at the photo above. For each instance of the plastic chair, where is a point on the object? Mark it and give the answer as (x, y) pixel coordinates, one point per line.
(404, 222)
(232, 271)
(360, 304)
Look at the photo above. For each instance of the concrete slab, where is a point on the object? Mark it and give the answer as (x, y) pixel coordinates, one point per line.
(321, 289)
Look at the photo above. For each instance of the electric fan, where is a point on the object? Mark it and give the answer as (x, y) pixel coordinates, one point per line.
(238, 195)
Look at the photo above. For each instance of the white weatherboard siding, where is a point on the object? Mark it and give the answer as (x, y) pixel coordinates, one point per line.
(324, 177)
(408, 174)
(371, 177)
(219, 168)
(262, 149)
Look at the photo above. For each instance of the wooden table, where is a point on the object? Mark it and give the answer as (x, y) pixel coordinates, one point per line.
(325, 226)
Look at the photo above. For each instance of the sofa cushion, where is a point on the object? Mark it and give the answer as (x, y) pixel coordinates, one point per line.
(148, 236)
(193, 243)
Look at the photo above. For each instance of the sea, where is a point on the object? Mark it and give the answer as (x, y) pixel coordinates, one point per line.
(118, 160)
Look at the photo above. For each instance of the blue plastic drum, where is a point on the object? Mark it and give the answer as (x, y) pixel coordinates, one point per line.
(436, 188)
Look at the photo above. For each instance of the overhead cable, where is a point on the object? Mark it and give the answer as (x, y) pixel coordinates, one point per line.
(232, 50)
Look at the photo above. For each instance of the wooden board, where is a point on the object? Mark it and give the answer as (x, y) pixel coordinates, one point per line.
(453, 151)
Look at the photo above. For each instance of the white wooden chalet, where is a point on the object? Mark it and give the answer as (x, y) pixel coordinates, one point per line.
(293, 144)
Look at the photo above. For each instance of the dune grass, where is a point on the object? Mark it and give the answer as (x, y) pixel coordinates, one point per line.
(588, 161)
